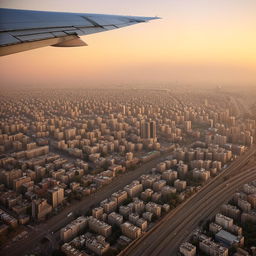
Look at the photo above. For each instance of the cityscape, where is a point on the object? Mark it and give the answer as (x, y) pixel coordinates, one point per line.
(110, 171)
(140, 141)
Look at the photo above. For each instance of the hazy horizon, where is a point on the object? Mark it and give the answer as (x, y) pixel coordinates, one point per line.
(199, 43)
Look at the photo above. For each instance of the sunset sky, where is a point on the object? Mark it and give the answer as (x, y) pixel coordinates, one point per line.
(196, 42)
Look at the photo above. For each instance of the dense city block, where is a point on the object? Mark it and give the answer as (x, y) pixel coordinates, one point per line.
(134, 155)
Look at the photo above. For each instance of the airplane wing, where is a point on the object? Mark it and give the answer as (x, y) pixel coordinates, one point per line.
(22, 30)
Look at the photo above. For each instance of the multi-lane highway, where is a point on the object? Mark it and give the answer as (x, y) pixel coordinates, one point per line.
(167, 235)
(59, 221)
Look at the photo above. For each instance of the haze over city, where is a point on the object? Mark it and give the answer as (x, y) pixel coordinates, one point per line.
(140, 144)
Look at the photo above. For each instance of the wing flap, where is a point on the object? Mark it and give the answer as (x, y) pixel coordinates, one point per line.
(92, 30)
(126, 24)
(35, 37)
(39, 31)
(110, 27)
(7, 39)
(59, 34)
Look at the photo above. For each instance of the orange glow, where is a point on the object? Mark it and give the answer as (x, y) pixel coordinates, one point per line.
(201, 43)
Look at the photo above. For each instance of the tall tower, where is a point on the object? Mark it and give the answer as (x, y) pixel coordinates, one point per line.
(153, 129)
(148, 129)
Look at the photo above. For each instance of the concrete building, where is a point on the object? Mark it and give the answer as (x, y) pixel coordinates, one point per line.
(228, 239)
(156, 197)
(148, 130)
(158, 185)
(201, 174)
(96, 244)
(138, 206)
(230, 211)
(142, 224)
(40, 208)
(17, 183)
(244, 205)
(55, 196)
(115, 219)
(251, 216)
(125, 210)
(224, 221)
(153, 208)
(119, 197)
(214, 228)
(133, 217)
(109, 205)
(252, 200)
(97, 212)
(147, 194)
(8, 219)
(130, 230)
(249, 189)
(212, 249)
(167, 191)
(70, 250)
(169, 175)
(180, 185)
(187, 249)
(99, 227)
(147, 216)
(133, 189)
(147, 181)
(73, 229)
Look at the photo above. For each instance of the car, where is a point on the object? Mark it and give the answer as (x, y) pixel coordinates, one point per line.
(70, 214)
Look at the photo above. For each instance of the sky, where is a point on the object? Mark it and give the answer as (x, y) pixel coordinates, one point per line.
(197, 42)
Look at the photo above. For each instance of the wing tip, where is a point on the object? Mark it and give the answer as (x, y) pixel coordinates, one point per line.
(146, 19)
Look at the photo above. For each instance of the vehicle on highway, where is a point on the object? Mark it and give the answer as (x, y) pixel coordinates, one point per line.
(70, 214)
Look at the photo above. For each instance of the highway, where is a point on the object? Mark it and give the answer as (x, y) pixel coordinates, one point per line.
(56, 222)
(166, 236)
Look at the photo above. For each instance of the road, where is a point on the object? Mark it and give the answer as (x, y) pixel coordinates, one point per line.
(56, 222)
(166, 236)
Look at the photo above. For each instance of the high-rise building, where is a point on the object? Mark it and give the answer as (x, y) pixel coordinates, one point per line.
(40, 208)
(148, 130)
(153, 129)
(55, 196)
(144, 130)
